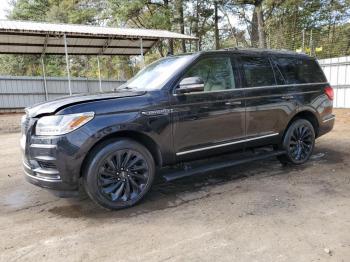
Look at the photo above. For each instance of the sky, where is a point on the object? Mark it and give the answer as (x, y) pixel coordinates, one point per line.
(4, 5)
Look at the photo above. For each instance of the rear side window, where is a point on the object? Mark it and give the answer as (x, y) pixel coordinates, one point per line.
(297, 70)
(257, 71)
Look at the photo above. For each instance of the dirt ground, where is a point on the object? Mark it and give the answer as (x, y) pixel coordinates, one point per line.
(10, 123)
(255, 212)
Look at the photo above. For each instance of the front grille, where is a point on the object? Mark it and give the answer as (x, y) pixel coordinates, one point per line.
(43, 164)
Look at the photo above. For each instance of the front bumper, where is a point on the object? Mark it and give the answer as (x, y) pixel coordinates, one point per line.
(54, 162)
(47, 179)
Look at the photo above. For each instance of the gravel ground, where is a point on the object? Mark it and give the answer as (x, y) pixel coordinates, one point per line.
(255, 212)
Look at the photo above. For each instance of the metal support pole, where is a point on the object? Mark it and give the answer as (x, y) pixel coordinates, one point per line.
(141, 50)
(311, 44)
(303, 44)
(44, 77)
(67, 63)
(99, 73)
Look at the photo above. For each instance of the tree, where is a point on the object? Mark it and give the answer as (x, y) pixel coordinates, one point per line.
(180, 19)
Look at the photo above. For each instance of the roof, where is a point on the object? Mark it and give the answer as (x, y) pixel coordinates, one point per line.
(24, 37)
(262, 51)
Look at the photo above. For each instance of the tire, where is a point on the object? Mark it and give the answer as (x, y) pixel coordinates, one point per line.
(119, 174)
(298, 142)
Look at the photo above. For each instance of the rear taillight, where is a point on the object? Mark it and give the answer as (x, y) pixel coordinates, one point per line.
(329, 92)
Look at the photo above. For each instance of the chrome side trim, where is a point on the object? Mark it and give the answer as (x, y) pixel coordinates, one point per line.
(328, 119)
(42, 146)
(225, 144)
(41, 178)
(45, 171)
(45, 158)
(26, 165)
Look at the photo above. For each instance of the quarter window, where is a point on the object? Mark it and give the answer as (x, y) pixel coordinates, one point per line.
(299, 71)
(257, 71)
(216, 73)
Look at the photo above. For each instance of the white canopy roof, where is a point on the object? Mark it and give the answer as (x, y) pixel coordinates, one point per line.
(23, 37)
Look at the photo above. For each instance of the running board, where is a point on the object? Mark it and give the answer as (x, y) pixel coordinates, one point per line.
(180, 173)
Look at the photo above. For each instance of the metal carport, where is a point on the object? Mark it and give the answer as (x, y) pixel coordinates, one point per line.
(37, 38)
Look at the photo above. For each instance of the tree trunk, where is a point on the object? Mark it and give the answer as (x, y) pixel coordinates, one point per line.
(171, 42)
(196, 26)
(254, 33)
(261, 29)
(216, 23)
(180, 10)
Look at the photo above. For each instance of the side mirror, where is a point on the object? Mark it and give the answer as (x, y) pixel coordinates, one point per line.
(190, 84)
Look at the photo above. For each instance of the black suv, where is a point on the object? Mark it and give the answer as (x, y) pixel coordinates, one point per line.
(177, 110)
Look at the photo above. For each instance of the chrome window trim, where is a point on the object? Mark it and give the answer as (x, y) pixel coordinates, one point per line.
(251, 88)
(42, 146)
(225, 144)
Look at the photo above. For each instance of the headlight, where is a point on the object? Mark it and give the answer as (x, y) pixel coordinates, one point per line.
(61, 124)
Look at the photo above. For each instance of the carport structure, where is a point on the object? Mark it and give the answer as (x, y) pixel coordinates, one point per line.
(36, 38)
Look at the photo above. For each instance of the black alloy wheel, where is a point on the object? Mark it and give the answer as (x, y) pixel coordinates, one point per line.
(123, 175)
(119, 174)
(299, 142)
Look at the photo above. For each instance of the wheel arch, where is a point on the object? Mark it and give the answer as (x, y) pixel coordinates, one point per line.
(308, 115)
(141, 138)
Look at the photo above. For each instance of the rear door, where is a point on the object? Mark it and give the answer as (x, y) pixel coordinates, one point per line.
(209, 122)
(268, 104)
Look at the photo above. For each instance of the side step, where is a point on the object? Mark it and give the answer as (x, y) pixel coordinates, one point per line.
(207, 167)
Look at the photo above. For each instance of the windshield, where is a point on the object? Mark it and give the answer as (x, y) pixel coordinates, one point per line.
(155, 75)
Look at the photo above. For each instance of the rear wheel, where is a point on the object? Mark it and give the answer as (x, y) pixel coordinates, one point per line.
(119, 174)
(299, 142)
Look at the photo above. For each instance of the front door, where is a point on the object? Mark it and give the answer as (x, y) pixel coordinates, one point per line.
(211, 120)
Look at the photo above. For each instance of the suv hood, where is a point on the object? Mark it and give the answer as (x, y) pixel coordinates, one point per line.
(53, 106)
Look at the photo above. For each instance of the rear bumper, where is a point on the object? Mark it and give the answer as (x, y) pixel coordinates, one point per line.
(326, 125)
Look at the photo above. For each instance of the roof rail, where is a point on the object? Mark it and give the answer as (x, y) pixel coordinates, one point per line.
(230, 48)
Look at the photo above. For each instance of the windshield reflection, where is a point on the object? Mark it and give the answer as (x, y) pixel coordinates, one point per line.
(155, 75)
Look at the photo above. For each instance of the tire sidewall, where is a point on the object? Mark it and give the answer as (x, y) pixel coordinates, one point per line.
(98, 156)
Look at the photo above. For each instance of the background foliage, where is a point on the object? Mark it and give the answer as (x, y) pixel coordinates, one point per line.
(318, 27)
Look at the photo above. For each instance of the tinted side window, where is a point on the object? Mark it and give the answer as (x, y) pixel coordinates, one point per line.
(300, 70)
(257, 71)
(216, 73)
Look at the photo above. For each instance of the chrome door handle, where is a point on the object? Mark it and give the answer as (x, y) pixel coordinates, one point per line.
(232, 103)
(287, 97)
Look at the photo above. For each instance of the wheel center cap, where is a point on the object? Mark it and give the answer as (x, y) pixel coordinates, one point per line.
(123, 174)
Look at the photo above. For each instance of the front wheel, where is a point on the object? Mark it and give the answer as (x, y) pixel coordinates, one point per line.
(119, 174)
(298, 142)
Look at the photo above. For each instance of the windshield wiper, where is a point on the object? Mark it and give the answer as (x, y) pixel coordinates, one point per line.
(123, 88)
